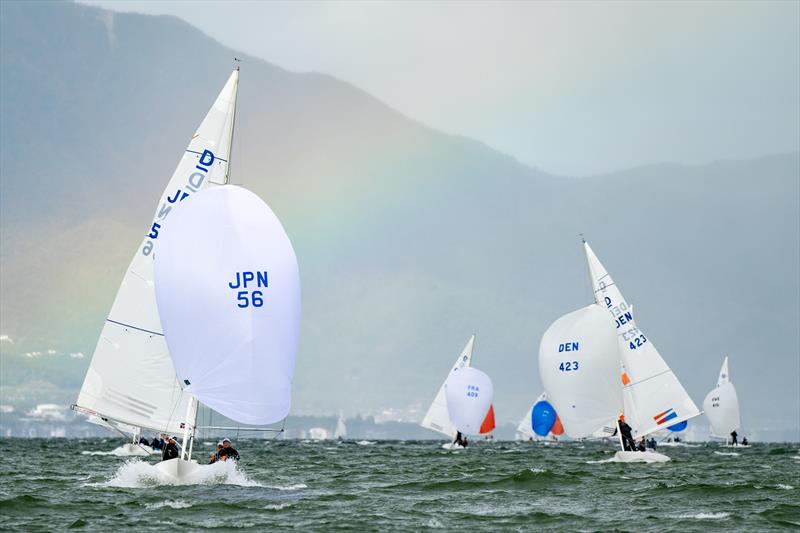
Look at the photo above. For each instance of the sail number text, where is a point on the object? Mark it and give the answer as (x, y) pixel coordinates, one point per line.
(245, 298)
(193, 184)
(568, 366)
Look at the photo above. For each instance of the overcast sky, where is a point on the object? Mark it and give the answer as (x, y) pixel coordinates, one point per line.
(574, 87)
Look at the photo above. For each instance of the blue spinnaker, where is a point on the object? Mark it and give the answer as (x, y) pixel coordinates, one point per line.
(679, 426)
(543, 417)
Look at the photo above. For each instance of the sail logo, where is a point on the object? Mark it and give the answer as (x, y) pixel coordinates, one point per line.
(193, 184)
(669, 414)
(715, 401)
(568, 347)
(251, 298)
(472, 391)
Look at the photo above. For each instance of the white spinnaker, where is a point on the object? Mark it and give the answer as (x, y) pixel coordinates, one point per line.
(579, 368)
(654, 398)
(469, 394)
(721, 405)
(228, 293)
(437, 417)
(131, 378)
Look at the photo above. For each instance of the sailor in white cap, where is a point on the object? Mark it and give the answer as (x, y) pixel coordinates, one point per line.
(227, 451)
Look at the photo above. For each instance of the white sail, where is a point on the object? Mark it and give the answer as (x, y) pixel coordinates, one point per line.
(131, 378)
(469, 394)
(579, 368)
(524, 428)
(724, 376)
(654, 398)
(228, 293)
(721, 405)
(341, 429)
(437, 417)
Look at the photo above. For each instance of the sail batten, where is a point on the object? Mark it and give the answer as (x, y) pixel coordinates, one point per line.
(131, 355)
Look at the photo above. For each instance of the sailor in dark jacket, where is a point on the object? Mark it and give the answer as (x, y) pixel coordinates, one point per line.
(628, 444)
(170, 450)
(227, 451)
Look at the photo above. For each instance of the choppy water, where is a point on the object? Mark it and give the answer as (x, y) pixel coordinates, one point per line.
(51, 485)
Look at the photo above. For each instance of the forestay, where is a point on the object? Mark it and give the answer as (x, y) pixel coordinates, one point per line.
(579, 368)
(654, 398)
(131, 378)
(437, 417)
(721, 405)
(228, 292)
(469, 395)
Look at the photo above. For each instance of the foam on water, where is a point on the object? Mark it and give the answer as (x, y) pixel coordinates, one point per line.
(173, 504)
(706, 516)
(730, 454)
(365, 442)
(140, 474)
(293, 486)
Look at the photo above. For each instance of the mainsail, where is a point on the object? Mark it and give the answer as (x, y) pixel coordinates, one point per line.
(341, 429)
(653, 397)
(721, 405)
(228, 293)
(437, 418)
(131, 378)
(578, 365)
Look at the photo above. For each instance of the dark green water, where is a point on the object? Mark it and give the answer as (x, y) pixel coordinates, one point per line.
(51, 485)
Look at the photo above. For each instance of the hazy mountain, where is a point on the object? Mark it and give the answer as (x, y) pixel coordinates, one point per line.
(408, 240)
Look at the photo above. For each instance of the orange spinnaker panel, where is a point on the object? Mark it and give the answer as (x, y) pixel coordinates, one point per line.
(557, 428)
(488, 423)
(625, 378)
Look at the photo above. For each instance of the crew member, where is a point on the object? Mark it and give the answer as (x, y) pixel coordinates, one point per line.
(170, 450)
(227, 451)
(628, 444)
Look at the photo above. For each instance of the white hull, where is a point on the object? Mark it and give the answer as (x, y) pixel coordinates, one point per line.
(133, 450)
(736, 445)
(640, 457)
(452, 446)
(677, 445)
(178, 469)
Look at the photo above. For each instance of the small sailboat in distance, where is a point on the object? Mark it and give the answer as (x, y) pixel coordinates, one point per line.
(541, 421)
(721, 406)
(437, 417)
(340, 433)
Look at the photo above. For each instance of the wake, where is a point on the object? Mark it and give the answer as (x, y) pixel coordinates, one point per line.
(134, 474)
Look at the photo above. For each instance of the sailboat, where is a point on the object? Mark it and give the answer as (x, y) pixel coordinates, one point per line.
(540, 421)
(437, 417)
(132, 379)
(582, 355)
(721, 406)
(340, 432)
(653, 396)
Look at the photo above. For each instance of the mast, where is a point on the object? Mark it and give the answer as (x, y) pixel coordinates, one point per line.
(233, 121)
(589, 270)
(188, 429)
